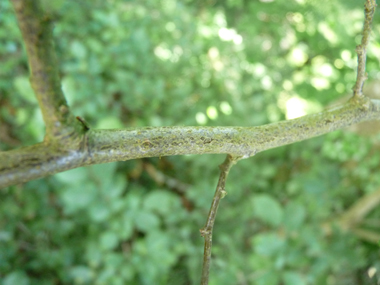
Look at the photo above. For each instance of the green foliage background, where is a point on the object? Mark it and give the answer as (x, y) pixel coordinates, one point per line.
(177, 62)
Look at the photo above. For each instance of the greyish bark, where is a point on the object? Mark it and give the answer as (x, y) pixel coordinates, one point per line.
(70, 143)
(101, 146)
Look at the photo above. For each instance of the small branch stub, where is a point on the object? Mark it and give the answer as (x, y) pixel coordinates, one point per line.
(86, 126)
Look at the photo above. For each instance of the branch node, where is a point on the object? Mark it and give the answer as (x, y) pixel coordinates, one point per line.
(204, 232)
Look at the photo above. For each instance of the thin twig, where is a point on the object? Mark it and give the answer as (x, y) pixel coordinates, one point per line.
(163, 179)
(206, 231)
(361, 49)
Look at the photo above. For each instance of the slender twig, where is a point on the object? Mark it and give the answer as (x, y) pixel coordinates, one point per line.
(37, 32)
(163, 179)
(206, 231)
(361, 49)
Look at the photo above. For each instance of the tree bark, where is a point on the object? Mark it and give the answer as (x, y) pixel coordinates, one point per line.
(102, 146)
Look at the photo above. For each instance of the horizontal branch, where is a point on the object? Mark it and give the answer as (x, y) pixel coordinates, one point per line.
(101, 146)
(367, 235)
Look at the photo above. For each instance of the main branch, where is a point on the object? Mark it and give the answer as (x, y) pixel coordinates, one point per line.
(101, 146)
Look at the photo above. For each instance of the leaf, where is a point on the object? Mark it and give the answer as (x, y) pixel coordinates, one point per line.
(78, 49)
(294, 217)
(293, 278)
(75, 198)
(115, 188)
(268, 278)
(99, 212)
(52, 6)
(104, 172)
(93, 255)
(146, 221)
(160, 201)
(126, 226)
(268, 244)
(81, 274)
(22, 85)
(110, 122)
(72, 176)
(108, 240)
(16, 277)
(267, 209)
(315, 186)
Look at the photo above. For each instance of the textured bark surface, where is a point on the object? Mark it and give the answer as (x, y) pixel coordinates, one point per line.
(101, 146)
(70, 143)
(36, 29)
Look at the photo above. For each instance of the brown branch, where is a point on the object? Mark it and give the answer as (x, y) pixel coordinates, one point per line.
(352, 220)
(367, 235)
(206, 231)
(357, 212)
(163, 179)
(361, 49)
(36, 29)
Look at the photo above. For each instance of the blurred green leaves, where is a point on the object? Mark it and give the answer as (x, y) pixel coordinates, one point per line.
(268, 244)
(294, 216)
(267, 209)
(22, 85)
(141, 63)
